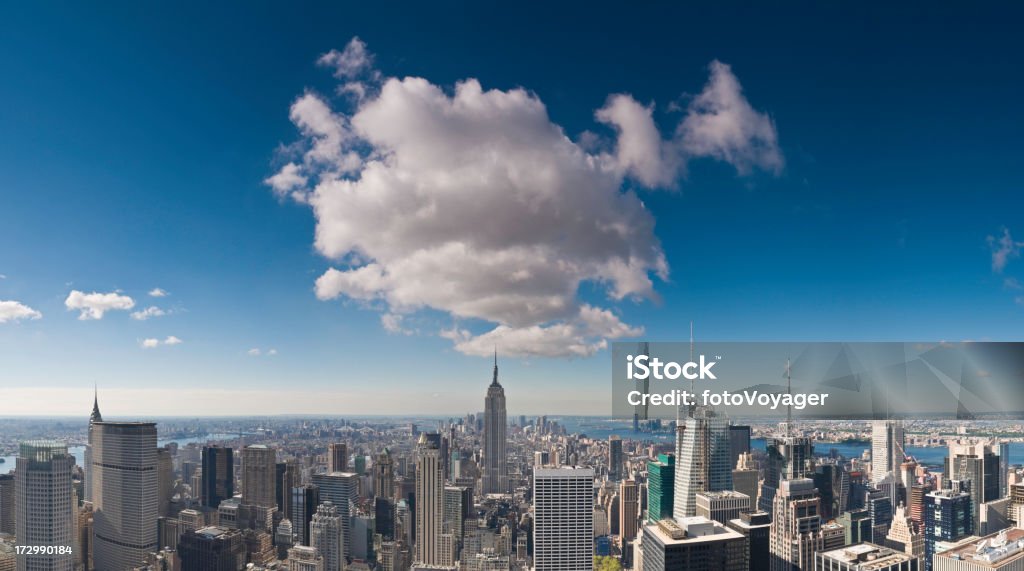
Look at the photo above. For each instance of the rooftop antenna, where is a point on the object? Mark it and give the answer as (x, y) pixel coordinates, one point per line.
(789, 391)
(692, 393)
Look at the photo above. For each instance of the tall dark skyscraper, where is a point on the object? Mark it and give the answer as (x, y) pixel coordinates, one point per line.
(384, 475)
(947, 517)
(125, 492)
(7, 503)
(211, 548)
(218, 478)
(303, 503)
(337, 457)
(739, 441)
(615, 461)
(495, 477)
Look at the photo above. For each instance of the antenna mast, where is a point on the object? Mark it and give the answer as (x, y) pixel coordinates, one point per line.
(789, 391)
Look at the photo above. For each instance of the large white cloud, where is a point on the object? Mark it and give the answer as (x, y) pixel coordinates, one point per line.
(11, 311)
(94, 305)
(475, 203)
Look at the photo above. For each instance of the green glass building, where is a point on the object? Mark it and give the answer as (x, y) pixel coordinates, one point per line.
(660, 487)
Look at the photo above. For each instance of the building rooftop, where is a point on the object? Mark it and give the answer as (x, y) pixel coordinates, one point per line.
(867, 556)
(211, 532)
(992, 551)
(724, 494)
(564, 471)
(689, 530)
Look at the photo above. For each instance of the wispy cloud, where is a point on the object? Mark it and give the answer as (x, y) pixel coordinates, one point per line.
(151, 311)
(1004, 248)
(12, 311)
(152, 343)
(257, 352)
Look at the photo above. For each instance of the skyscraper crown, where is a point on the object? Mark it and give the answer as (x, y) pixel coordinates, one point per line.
(95, 416)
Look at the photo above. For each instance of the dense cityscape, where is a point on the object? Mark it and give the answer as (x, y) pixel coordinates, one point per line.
(494, 492)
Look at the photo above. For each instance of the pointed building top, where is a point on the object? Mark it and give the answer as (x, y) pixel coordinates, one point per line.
(495, 382)
(95, 416)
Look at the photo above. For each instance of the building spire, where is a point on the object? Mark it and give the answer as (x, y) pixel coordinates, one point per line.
(495, 381)
(95, 416)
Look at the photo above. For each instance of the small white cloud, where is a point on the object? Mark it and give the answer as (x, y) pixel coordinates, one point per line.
(272, 352)
(151, 311)
(254, 352)
(1004, 248)
(257, 352)
(287, 179)
(12, 311)
(392, 323)
(720, 123)
(349, 63)
(1013, 283)
(157, 292)
(94, 305)
(152, 343)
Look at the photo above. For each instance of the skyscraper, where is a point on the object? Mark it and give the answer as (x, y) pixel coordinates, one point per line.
(903, 534)
(887, 448)
(45, 506)
(429, 496)
(384, 475)
(629, 511)
(756, 528)
(739, 440)
(125, 493)
(94, 417)
(328, 536)
(303, 558)
(258, 472)
(303, 503)
(218, 476)
(211, 548)
(703, 459)
(986, 465)
(614, 458)
(796, 526)
(495, 476)
(693, 544)
(722, 506)
(744, 477)
(788, 458)
(287, 476)
(947, 517)
(7, 503)
(342, 490)
(337, 457)
(563, 529)
(661, 477)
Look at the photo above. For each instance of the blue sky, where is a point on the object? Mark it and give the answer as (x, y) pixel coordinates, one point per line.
(135, 142)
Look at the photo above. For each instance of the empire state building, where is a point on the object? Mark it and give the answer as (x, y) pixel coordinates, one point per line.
(495, 480)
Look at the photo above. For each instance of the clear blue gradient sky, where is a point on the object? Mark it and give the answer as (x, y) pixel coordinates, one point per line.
(135, 140)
